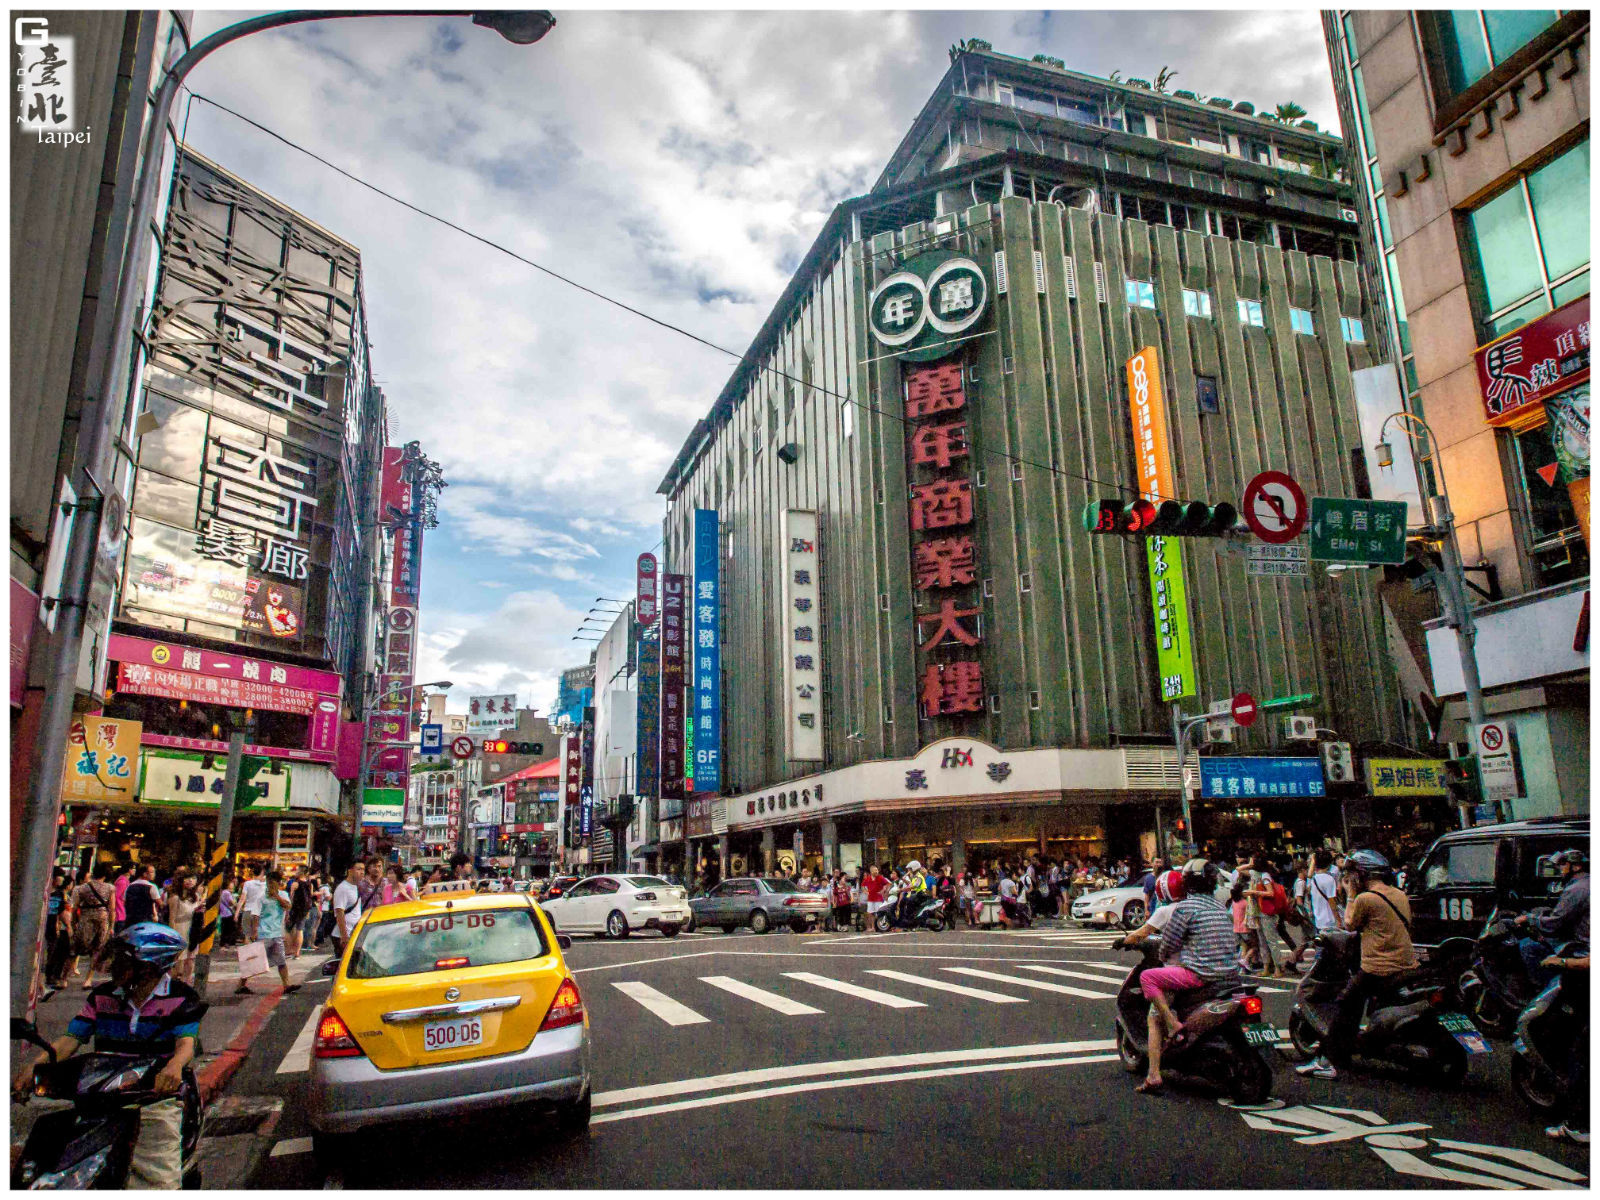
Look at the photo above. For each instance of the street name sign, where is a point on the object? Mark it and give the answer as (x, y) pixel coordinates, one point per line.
(1358, 531)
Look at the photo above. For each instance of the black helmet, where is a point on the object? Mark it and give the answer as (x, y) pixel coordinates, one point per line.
(1369, 864)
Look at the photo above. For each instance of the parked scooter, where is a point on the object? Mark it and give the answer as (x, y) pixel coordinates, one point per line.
(927, 913)
(1224, 1044)
(91, 1144)
(1413, 1028)
(1496, 987)
(1548, 1036)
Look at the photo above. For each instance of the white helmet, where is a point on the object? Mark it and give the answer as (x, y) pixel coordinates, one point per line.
(913, 865)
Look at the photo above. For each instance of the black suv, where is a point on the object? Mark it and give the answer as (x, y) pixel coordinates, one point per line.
(1467, 874)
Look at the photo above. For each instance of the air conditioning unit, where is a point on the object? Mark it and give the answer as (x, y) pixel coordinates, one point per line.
(1337, 765)
(1349, 214)
(1300, 729)
(1218, 732)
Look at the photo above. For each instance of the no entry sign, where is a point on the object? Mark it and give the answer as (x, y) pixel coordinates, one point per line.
(1244, 709)
(1275, 507)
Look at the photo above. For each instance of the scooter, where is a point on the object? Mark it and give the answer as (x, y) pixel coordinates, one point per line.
(1496, 988)
(91, 1144)
(927, 914)
(1547, 1032)
(1413, 1028)
(1223, 1044)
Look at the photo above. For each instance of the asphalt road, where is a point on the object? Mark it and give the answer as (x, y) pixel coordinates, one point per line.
(849, 1061)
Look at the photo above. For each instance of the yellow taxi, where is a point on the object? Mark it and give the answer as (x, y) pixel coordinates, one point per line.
(453, 1002)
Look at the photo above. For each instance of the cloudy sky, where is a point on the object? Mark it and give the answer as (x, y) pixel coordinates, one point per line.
(681, 162)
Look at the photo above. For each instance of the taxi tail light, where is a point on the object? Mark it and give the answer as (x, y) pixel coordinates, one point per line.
(565, 1009)
(333, 1038)
(450, 964)
(1251, 1005)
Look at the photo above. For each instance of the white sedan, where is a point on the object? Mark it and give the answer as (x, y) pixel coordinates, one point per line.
(615, 905)
(1124, 906)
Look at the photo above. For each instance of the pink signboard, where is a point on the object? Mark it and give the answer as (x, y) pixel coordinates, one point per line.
(145, 680)
(209, 746)
(394, 494)
(347, 761)
(146, 652)
(24, 616)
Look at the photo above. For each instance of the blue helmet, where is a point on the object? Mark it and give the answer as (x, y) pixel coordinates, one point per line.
(1369, 864)
(151, 943)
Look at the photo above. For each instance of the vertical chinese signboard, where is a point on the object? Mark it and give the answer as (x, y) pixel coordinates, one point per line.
(707, 654)
(648, 722)
(571, 776)
(102, 762)
(944, 561)
(802, 634)
(673, 631)
(1168, 594)
(645, 590)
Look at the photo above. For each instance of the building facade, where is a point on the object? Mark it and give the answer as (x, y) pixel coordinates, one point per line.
(1473, 133)
(947, 383)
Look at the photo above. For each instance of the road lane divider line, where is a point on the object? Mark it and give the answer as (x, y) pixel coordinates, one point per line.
(777, 1003)
(842, 1066)
(1102, 979)
(956, 988)
(1033, 983)
(645, 962)
(854, 1081)
(661, 1004)
(887, 999)
(298, 1057)
(299, 1145)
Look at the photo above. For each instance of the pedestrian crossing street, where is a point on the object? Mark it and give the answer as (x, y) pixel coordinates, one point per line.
(806, 991)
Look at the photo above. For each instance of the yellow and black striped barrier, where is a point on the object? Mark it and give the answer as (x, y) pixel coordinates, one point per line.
(217, 868)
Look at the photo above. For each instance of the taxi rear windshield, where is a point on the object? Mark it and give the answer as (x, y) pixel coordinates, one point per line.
(447, 942)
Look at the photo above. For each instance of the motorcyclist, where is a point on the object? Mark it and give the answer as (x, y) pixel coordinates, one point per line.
(1568, 921)
(1381, 914)
(142, 1010)
(1198, 948)
(912, 887)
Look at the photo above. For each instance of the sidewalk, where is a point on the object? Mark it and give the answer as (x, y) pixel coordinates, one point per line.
(227, 1031)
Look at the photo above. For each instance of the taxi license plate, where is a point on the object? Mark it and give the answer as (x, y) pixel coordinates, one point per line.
(452, 1035)
(1260, 1035)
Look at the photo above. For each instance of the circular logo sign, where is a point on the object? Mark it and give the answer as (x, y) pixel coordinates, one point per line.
(1244, 709)
(402, 619)
(160, 656)
(1275, 507)
(931, 299)
(957, 295)
(461, 747)
(898, 309)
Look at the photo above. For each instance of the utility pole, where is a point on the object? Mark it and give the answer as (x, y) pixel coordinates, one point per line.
(219, 861)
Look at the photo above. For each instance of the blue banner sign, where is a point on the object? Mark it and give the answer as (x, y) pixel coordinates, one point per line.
(432, 740)
(1261, 778)
(706, 652)
(649, 720)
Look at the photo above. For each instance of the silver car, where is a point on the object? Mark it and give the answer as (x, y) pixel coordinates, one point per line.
(760, 904)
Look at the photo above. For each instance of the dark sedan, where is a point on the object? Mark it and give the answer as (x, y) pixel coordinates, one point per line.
(760, 904)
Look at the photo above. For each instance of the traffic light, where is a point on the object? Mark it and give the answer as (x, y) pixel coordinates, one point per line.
(495, 746)
(1170, 518)
(248, 793)
(1462, 781)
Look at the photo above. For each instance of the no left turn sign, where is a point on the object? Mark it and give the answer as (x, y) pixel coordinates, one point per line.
(1275, 507)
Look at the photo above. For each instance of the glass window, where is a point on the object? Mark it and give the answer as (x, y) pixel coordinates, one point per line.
(1352, 329)
(1553, 522)
(1250, 313)
(502, 935)
(1502, 237)
(1402, 326)
(1141, 294)
(1559, 194)
(1461, 864)
(782, 886)
(1511, 29)
(1519, 316)
(1473, 43)
(1197, 304)
(167, 500)
(1577, 286)
(647, 881)
(1300, 321)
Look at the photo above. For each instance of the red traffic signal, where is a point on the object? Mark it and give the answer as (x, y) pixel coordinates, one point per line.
(1116, 516)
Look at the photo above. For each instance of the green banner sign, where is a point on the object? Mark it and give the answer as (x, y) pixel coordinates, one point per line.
(185, 779)
(1357, 531)
(383, 806)
(1170, 600)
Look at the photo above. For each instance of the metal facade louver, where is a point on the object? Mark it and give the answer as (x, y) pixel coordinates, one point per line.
(1100, 282)
(1038, 272)
(1151, 767)
(1000, 281)
(1072, 277)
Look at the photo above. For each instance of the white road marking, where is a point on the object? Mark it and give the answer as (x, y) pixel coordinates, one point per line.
(299, 1056)
(1033, 983)
(851, 989)
(1531, 1178)
(299, 1145)
(822, 1085)
(713, 1083)
(661, 1004)
(958, 989)
(782, 1004)
(645, 962)
(1068, 974)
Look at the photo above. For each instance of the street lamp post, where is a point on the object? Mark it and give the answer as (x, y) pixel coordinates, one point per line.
(95, 439)
(1459, 615)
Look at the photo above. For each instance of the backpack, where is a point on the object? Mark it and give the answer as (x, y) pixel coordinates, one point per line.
(1276, 904)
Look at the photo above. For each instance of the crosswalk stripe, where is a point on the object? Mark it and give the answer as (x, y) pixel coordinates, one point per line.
(958, 989)
(851, 989)
(299, 1056)
(1071, 974)
(788, 1007)
(661, 1004)
(1033, 983)
(299, 1145)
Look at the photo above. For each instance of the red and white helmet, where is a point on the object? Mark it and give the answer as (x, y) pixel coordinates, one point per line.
(1170, 887)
